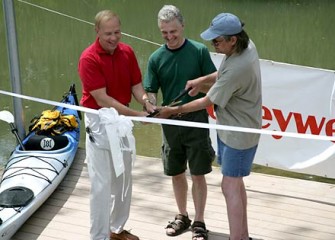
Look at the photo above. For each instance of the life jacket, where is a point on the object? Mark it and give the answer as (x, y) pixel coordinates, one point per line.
(52, 122)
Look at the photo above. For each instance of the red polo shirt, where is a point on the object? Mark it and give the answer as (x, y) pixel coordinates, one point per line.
(118, 72)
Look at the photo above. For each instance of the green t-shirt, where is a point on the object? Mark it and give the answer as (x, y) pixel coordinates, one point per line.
(169, 70)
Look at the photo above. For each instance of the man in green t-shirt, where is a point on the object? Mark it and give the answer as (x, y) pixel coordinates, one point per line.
(236, 92)
(169, 68)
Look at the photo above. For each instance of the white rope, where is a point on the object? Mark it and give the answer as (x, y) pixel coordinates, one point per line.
(80, 20)
(178, 122)
(156, 120)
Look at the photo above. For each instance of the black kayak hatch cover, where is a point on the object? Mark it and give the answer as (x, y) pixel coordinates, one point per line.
(16, 197)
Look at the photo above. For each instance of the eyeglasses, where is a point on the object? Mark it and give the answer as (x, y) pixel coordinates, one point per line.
(90, 134)
(216, 42)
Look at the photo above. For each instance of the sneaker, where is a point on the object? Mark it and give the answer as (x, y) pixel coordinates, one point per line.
(178, 225)
(124, 235)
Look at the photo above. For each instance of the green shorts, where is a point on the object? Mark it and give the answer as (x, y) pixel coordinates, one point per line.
(187, 145)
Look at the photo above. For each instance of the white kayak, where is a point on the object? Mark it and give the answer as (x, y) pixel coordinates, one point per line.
(31, 175)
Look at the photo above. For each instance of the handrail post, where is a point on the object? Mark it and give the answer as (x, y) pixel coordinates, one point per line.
(14, 65)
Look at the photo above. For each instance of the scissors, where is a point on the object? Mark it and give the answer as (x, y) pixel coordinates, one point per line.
(174, 102)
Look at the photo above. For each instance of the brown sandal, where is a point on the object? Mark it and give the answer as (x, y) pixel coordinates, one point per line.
(178, 225)
(199, 231)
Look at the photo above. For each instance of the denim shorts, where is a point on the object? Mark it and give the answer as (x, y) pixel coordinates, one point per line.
(235, 162)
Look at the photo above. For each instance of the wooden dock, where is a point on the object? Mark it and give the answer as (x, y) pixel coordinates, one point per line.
(279, 208)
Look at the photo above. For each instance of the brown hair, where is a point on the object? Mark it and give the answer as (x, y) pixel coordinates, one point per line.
(242, 41)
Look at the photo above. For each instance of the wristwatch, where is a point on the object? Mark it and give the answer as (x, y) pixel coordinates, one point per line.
(148, 100)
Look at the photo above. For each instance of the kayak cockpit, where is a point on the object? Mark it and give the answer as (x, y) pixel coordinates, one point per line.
(45, 143)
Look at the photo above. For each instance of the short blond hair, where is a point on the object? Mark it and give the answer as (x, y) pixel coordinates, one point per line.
(105, 15)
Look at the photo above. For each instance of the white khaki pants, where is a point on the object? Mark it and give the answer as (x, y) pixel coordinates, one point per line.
(110, 197)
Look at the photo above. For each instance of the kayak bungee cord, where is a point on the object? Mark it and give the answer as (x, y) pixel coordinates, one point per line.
(18, 170)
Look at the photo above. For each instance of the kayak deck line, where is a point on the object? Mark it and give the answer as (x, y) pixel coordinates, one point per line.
(35, 170)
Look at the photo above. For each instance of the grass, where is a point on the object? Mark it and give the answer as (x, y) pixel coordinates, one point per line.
(277, 172)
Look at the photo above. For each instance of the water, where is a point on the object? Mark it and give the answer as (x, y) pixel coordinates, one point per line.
(291, 31)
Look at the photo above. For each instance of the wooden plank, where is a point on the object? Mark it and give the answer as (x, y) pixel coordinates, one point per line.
(279, 208)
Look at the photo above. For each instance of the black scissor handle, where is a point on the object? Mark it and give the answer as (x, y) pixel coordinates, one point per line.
(174, 101)
(181, 94)
(154, 113)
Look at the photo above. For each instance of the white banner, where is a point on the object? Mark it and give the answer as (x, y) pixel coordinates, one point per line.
(300, 100)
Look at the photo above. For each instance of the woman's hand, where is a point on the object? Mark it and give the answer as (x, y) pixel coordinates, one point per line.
(195, 86)
(166, 112)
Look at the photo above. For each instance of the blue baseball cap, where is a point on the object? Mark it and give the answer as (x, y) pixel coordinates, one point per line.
(223, 24)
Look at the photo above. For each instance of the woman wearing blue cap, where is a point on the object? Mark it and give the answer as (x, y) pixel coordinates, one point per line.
(236, 93)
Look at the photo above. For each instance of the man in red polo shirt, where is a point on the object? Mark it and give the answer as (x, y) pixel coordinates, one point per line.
(110, 75)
